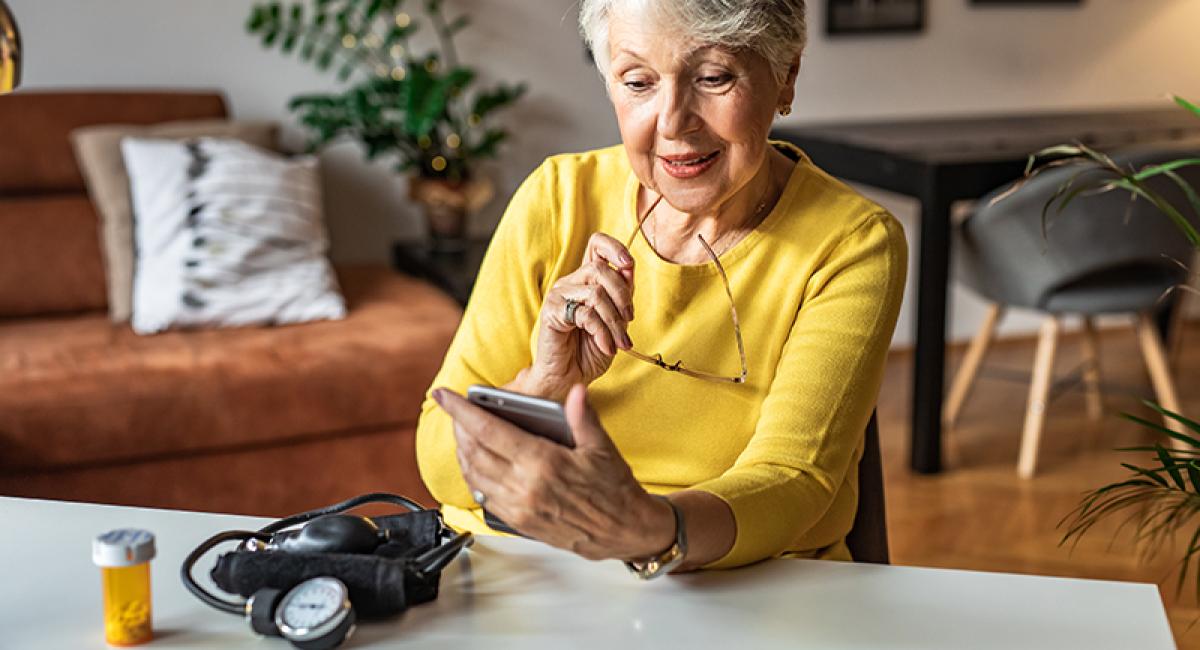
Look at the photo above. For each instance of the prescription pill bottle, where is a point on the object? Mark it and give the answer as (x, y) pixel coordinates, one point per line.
(123, 556)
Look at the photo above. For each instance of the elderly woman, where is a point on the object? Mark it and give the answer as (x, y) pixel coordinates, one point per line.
(713, 309)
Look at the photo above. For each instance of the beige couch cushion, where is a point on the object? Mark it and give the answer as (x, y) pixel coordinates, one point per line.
(81, 391)
(98, 151)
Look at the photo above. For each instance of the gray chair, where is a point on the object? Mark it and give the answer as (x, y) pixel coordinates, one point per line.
(867, 540)
(1102, 255)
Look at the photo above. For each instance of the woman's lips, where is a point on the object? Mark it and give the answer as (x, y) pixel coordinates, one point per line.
(688, 166)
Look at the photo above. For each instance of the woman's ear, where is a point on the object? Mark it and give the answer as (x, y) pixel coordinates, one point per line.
(788, 92)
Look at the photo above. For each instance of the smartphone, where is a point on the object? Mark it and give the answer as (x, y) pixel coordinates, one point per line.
(541, 417)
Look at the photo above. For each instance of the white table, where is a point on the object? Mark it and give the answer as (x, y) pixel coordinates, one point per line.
(508, 593)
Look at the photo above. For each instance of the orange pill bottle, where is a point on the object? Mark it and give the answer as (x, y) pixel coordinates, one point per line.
(123, 556)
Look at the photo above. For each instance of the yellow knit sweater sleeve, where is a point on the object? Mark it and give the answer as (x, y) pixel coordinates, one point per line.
(813, 417)
(492, 344)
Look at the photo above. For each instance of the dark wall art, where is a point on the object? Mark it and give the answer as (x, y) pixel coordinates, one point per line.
(874, 16)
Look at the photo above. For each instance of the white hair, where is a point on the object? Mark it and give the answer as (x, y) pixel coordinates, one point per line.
(774, 29)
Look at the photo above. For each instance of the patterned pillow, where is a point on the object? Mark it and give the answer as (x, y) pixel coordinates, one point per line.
(98, 152)
(226, 234)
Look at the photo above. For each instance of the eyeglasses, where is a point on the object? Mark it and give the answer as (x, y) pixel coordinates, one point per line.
(657, 359)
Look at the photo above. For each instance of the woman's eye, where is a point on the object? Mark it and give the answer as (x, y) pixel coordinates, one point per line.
(637, 85)
(715, 80)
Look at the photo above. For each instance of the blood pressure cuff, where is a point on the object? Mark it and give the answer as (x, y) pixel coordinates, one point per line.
(381, 584)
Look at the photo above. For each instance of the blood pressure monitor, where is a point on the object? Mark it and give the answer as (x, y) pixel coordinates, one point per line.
(314, 615)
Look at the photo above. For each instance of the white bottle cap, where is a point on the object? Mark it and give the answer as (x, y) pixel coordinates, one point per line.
(123, 547)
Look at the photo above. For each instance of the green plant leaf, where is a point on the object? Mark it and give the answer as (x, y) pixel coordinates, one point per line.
(1174, 452)
(500, 96)
(1148, 474)
(1165, 207)
(1154, 170)
(1057, 151)
(325, 58)
(1187, 558)
(372, 10)
(1187, 105)
(1193, 470)
(1170, 433)
(256, 20)
(486, 147)
(1190, 424)
(308, 49)
(1168, 464)
(1188, 190)
(458, 24)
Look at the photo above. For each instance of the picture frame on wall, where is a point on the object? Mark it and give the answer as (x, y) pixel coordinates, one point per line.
(848, 17)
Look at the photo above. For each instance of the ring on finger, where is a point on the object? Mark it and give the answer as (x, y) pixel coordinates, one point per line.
(572, 307)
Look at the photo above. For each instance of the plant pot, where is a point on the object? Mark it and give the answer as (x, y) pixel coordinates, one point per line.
(446, 205)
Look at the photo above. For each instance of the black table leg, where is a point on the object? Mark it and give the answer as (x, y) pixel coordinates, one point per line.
(930, 357)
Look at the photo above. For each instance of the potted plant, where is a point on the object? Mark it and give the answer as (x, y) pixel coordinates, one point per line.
(417, 109)
(1162, 497)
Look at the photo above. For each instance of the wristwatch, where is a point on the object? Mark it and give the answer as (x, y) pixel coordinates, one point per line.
(668, 560)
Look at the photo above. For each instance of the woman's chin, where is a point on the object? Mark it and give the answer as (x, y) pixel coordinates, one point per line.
(691, 202)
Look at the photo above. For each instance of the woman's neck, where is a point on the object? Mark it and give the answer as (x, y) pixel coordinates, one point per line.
(673, 233)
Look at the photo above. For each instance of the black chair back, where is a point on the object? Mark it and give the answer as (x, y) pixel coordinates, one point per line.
(868, 539)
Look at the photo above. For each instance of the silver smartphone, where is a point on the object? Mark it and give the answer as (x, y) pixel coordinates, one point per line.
(541, 417)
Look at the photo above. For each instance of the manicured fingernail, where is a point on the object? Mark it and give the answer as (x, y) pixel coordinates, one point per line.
(625, 258)
(628, 343)
(438, 396)
(629, 312)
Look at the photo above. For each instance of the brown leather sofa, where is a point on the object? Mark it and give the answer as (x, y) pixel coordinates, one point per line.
(254, 420)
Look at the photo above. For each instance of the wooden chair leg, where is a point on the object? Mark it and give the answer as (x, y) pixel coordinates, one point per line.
(1091, 370)
(1184, 296)
(1039, 394)
(1160, 372)
(1183, 299)
(964, 379)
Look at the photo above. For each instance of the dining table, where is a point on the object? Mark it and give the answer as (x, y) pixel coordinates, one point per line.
(944, 160)
(509, 592)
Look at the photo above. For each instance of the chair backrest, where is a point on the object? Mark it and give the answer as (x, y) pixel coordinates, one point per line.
(1002, 253)
(868, 540)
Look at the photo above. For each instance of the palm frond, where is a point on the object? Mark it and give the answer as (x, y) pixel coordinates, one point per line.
(1158, 499)
(1099, 173)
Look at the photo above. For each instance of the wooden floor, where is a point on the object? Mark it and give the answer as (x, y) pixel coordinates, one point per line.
(980, 515)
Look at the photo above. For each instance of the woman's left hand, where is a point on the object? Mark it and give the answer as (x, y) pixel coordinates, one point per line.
(585, 499)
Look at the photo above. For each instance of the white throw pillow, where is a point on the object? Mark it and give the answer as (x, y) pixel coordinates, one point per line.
(226, 234)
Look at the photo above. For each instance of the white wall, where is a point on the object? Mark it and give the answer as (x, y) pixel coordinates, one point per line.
(969, 60)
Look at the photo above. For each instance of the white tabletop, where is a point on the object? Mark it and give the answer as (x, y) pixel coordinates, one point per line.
(507, 593)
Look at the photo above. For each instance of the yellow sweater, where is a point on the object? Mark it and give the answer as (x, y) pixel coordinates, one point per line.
(818, 287)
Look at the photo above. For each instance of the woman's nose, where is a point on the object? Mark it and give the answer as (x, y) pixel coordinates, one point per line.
(676, 114)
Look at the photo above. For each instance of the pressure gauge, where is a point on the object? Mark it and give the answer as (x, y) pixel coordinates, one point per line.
(316, 614)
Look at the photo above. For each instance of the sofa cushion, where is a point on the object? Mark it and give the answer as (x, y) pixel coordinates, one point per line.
(36, 157)
(288, 477)
(82, 390)
(49, 260)
(98, 150)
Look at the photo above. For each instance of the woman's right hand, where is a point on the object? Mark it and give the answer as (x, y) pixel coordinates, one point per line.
(578, 352)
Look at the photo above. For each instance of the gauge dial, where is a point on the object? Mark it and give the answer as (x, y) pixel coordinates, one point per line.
(316, 614)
